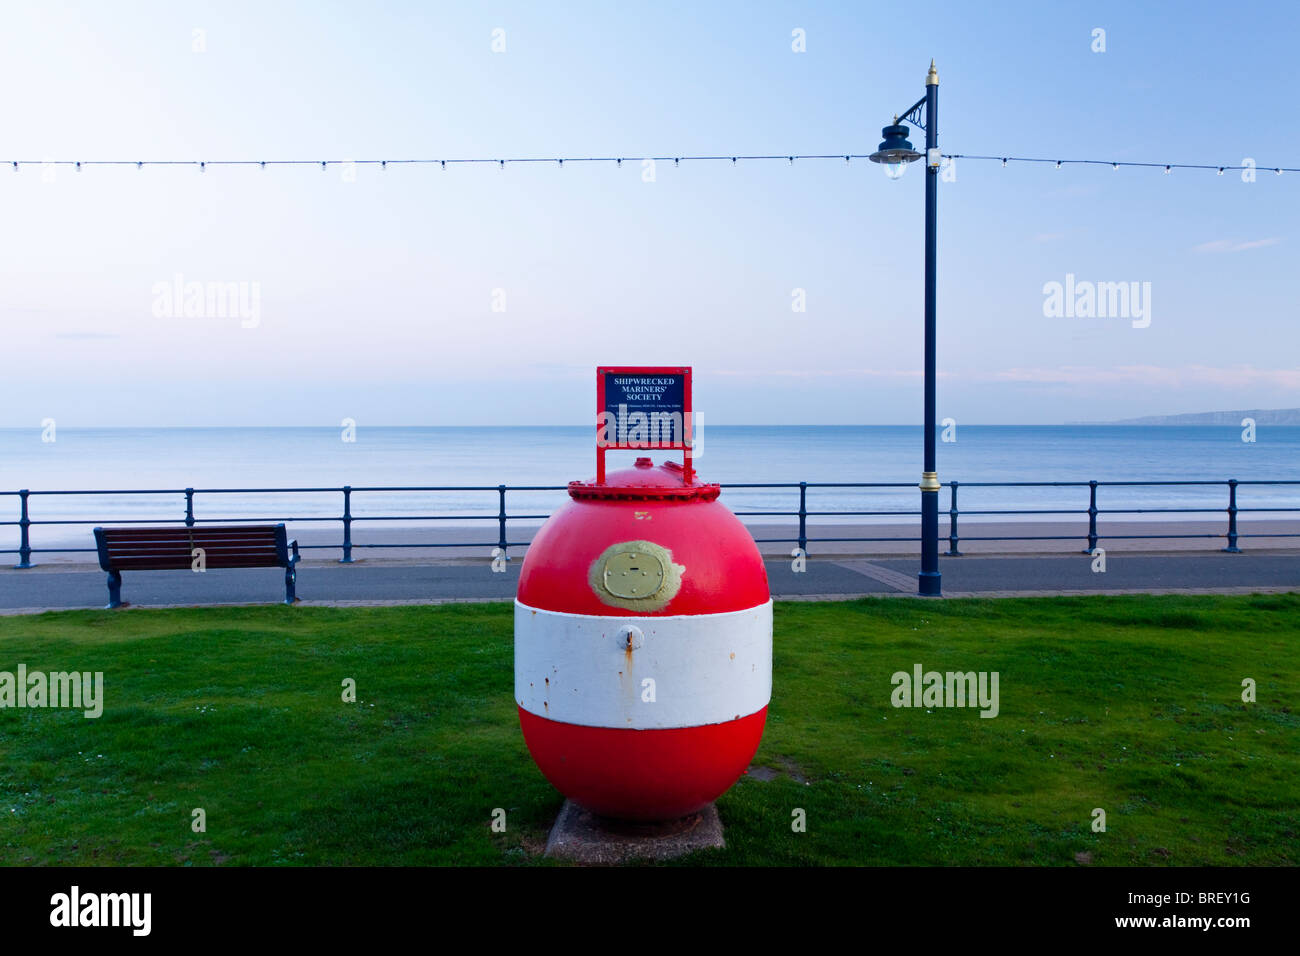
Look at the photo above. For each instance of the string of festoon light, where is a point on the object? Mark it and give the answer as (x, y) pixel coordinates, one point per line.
(790, 158)
(1167, 167)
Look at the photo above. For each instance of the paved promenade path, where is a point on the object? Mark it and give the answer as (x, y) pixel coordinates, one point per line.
(416, 583)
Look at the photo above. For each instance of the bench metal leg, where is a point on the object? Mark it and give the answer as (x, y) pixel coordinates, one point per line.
(291, 573)
(114, 590)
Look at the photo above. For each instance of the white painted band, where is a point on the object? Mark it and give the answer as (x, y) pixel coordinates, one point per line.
(688, 670)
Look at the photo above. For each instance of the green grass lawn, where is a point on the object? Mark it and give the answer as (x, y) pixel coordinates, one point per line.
(1130, 704)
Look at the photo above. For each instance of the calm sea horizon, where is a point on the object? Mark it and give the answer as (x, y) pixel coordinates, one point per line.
(172, 459)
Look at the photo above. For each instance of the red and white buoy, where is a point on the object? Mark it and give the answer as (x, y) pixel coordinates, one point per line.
(643, 645)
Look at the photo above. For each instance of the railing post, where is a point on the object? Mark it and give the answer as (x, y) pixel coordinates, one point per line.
(952, 522)
(1092, 517)
(189, 507)
(24, 541)
(347, 525)
(803, 517)
(1232, 518)
(501, 521)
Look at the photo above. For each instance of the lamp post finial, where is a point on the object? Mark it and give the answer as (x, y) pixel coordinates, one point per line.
(932, 78)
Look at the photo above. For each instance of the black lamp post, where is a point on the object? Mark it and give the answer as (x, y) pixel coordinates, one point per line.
(895, 153)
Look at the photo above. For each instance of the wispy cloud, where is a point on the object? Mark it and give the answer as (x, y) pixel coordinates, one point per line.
(1234, 245)
(1235, 376)
(1049, 236)
(868, 373)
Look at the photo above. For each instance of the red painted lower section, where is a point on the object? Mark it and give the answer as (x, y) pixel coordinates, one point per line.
(642, 774)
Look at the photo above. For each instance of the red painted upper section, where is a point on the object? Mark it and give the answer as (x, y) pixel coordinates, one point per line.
(643, 482)
(723, 568)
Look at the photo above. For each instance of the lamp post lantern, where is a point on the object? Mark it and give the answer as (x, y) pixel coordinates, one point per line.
(894, 154)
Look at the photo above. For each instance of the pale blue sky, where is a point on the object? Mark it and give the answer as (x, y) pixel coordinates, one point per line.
(376, 295)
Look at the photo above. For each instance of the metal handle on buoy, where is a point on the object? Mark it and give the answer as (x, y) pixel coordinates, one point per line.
(630, 637)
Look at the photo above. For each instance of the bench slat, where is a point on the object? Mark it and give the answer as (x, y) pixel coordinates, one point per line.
(183, 547)
(208, 556)
(184, 534)
(178, 529)
(185, 563)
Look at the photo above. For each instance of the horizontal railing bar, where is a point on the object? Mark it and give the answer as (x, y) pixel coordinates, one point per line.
(873, 514)
(823, 540)
(818, 514)
(491, 488)
(1141, 537)
(1085, 484)
(816, 540)
(1073, 537)
(112, 491)
(1028, 537)
(314, 491)
(1144, 511)
(821, 484)
(355, 518)
(197, 521)
(556, 488)
(1040, 484)
(1028, 511)
(61, 550)
(433, 544)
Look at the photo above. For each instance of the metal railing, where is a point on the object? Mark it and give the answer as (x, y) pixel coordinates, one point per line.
(25, 522)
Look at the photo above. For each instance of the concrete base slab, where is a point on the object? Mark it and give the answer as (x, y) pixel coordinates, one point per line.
(583, 837)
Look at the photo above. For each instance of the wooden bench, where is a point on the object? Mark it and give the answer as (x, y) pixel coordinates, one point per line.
(175, 549)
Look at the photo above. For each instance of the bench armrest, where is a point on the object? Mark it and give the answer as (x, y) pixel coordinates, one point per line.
(294, 556)
(101, 547)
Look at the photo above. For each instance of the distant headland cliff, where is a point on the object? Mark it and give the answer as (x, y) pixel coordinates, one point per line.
(1262, 416)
